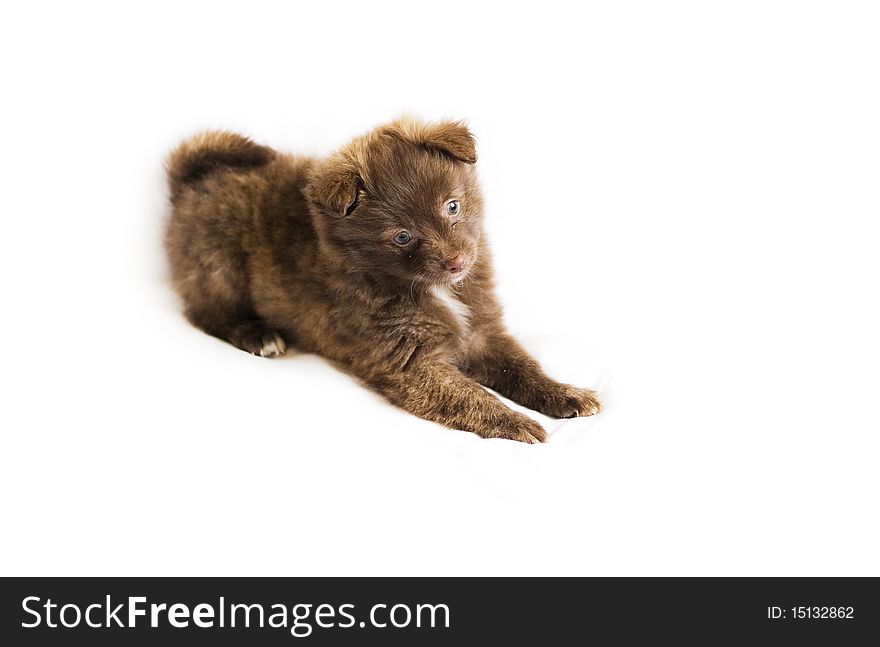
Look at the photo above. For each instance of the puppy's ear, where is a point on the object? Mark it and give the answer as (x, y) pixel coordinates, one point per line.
(451, 138)
(335, 187)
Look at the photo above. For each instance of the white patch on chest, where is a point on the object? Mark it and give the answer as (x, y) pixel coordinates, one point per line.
(456, 308)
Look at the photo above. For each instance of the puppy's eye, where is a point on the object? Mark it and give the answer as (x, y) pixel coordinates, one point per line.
(402, 238)
(452, 207)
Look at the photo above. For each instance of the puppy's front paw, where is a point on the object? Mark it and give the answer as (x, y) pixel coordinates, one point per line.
(566, 401)
(520, 428)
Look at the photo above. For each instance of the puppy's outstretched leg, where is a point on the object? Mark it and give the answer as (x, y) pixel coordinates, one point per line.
(439, 392)
(503, 365)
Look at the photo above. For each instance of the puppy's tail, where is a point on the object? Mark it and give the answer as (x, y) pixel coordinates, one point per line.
(207, 152)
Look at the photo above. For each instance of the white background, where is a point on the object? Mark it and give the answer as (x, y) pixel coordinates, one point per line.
(683, 201)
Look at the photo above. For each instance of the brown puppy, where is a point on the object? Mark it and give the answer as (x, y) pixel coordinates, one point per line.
(374, 258)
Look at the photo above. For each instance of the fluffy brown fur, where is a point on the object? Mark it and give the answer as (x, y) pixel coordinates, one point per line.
(373, 257)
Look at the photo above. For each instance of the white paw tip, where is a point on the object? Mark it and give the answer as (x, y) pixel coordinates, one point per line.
(274, 347)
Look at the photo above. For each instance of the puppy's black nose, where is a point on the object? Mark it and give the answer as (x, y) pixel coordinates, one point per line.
(456, 263)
